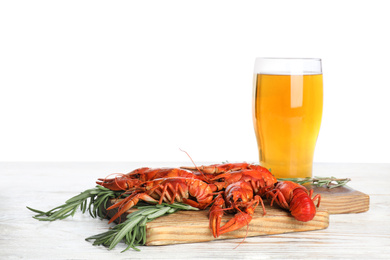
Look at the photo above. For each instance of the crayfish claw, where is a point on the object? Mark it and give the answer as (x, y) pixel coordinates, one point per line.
(215, 215)
(239, 220)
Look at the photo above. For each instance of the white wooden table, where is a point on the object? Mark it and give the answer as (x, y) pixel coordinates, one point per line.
(46, 185)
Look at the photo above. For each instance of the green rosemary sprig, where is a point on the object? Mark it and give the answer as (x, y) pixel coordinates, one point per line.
(329, 182)
(90, 200)
(133, 231)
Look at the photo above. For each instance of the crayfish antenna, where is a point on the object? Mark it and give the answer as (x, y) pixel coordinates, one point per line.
(204, 176)
(247, 230)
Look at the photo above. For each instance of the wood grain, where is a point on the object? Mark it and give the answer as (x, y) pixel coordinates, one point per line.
(193, 226)
(189, 226)
(342, 200)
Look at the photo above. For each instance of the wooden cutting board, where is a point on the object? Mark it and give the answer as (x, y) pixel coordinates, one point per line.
(193, 226)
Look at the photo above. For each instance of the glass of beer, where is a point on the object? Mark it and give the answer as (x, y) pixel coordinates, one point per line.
(287, 111)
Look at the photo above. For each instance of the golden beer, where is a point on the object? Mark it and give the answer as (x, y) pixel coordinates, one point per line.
(287, 111)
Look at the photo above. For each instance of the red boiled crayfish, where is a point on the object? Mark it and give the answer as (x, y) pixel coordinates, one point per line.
(157, 186)
(244, 198)
(295, 198)
(139, 176)
(238, 198)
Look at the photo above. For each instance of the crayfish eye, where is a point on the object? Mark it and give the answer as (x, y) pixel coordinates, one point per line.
(239, 200)
(220, 180)
(136, 176)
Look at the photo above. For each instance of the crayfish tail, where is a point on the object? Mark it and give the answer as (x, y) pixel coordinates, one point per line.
(302, 207)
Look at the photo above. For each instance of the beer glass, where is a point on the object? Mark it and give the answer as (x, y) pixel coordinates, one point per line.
(287, 111)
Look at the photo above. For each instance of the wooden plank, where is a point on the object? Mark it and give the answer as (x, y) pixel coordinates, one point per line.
(190, 226)
(342, 200)
(193, 226)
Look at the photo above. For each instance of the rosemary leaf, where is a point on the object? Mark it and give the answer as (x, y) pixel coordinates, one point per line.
(90, 199)
(123, 231)
(40, 213)
(133, 231)
(130, 238)
(159, 213)
(149, 211)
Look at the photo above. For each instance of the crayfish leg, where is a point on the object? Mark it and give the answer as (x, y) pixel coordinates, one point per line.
(171, 191)
(279, 197)
(262, 204)
(316, 197)
(192, 203)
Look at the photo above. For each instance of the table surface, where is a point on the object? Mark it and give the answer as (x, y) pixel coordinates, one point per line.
(46, 185)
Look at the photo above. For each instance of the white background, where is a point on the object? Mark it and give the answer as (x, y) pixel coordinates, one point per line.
(137, 80)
